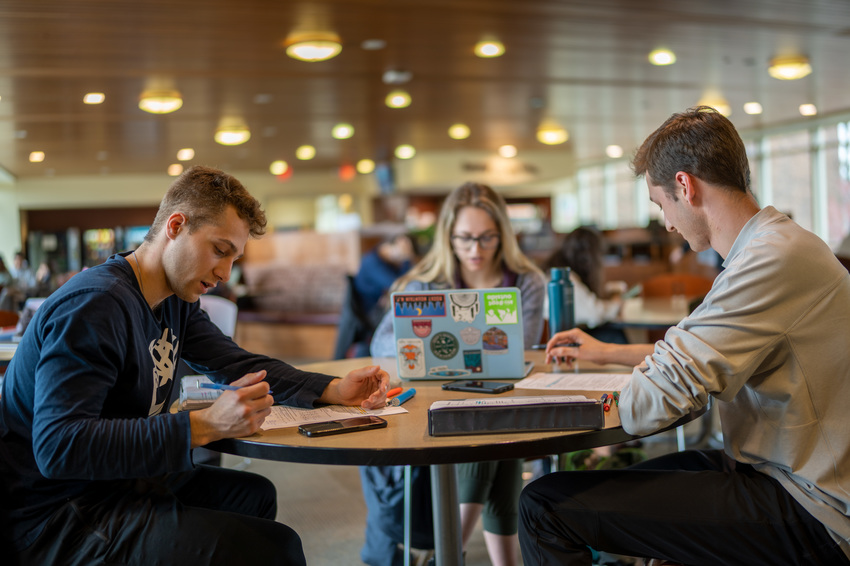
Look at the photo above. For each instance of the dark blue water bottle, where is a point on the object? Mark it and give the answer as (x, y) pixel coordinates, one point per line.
(561, 308)
(569, 301)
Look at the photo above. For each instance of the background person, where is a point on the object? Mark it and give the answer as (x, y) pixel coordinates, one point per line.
(474, 248)
(5, 275)
(768, 343)
(92, 465)
(22, 282)
(582, 250)
(380, 267)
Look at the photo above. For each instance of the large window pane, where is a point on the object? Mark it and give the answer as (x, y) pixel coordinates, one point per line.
(790, 174)
(591, 193)
(837, 141)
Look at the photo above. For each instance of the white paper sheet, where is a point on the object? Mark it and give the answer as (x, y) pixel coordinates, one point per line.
(575, 381)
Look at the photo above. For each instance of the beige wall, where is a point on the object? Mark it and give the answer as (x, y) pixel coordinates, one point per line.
(291, 202)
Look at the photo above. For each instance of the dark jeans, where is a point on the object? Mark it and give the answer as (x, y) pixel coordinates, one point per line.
(206, 516)
(383, 491)
(694, 507)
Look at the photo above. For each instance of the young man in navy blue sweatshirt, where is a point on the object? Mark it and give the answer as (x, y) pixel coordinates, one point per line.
(93, 466)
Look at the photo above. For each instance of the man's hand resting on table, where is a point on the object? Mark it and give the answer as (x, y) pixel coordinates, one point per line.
(234, 413)
(366, 387)
(590, 349)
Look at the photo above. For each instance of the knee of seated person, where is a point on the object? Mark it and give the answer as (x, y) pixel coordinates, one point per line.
(263, 492)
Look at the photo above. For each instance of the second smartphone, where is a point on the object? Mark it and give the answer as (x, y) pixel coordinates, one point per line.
(476, 386)
(343, 425)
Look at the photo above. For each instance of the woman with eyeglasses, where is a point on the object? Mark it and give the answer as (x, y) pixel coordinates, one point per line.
(474, 248)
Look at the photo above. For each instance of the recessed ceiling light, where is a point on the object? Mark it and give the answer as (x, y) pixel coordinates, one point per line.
(305, 152)
(94, 98)
(458, 131)
(398, 99)
(175, 169)
(507, 151)
(185, 154)
(232, 134)
(662, 57)
(489, 48)
(278, 167)
(808, 109)
(614, 151)
(36, 156)
(313, 46)
(752, 108)
(365, 166)
(160, 101)
(342, 131)
(262, 98)
(405, 151)
(789, 68)
(551, 133)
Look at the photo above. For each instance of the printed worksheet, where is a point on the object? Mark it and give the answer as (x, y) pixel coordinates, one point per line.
(283, 416)
(575, 381)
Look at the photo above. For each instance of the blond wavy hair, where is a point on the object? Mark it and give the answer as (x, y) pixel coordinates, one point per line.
(440, 264)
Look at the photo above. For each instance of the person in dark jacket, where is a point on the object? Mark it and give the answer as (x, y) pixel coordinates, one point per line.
(93, 466)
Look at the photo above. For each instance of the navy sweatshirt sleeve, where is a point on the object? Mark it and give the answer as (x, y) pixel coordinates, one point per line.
(212, 353)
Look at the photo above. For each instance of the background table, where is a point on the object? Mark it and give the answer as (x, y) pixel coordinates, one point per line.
(406, 442)
(655, 313)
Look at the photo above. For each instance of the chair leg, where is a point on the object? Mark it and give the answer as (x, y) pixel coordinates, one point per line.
(680, 438)
(408, 499)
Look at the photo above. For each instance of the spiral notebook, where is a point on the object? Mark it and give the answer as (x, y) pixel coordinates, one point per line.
(459, 334)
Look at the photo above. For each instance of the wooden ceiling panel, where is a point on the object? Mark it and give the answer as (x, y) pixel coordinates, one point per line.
(582, 63)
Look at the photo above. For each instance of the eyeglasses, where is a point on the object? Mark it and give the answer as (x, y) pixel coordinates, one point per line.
(485, 242)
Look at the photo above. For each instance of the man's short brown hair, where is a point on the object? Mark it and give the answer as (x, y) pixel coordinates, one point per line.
(203, 194)
(700, 141)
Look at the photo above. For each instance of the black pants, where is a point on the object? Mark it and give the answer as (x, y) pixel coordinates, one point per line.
(206, 516)
(695, 508)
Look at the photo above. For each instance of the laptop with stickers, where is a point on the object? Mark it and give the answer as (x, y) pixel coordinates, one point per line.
(459, 334)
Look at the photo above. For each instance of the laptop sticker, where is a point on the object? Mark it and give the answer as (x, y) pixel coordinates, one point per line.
(472, 360)
(419, 305)
(495, 341)
(411, 357)
(501, 308)
(445, 372)
(421, 327)
(464, 306)
(444, 345)
(470, 335)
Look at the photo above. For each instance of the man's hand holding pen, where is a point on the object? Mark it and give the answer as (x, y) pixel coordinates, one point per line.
(571, 345)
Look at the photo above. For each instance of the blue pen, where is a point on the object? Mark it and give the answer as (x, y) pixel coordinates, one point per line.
(208, 385)
(401, 398)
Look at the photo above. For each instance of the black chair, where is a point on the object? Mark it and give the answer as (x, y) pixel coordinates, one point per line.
(355, 326)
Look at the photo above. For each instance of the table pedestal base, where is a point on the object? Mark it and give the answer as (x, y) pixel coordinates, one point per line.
(448, 546)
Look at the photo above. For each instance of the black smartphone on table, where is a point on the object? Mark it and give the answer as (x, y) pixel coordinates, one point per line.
(476, 386)
(341, 426)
